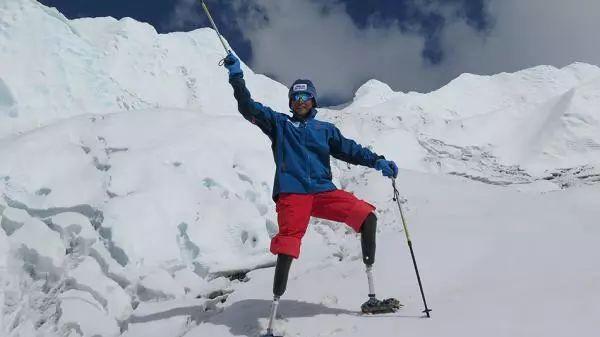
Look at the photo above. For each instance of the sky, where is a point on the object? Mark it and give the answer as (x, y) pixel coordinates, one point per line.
(412, 45)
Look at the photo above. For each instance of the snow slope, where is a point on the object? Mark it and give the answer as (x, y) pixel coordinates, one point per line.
(104, 66)
(136, 201)
(541, 119)
(493, 263)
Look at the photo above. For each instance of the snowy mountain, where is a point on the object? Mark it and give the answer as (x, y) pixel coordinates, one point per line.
(136, 201)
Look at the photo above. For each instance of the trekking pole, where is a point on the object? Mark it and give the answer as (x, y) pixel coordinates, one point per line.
(412, 254)
(212, 22)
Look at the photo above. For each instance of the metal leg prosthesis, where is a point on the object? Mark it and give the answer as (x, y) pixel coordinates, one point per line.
(274, 307)
(282, 270)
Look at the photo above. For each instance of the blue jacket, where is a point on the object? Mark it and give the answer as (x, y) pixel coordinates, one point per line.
(301, 147)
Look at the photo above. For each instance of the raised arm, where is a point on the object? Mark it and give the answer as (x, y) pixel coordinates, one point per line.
(256, 113)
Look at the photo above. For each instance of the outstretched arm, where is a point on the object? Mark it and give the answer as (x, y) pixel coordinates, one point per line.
(256, 113)
(349, 151)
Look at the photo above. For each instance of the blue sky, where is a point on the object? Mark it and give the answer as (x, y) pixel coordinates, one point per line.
(412, 45)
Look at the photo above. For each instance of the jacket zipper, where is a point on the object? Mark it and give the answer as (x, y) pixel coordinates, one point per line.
(283, 151)
(307, 157)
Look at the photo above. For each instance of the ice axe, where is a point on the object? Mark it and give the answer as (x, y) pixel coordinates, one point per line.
(212, 22)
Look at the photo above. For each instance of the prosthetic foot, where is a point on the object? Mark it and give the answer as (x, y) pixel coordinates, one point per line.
(374, 305)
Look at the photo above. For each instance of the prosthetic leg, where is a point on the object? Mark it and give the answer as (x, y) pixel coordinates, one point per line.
(282, 270)
(367, 241)
(372, 306)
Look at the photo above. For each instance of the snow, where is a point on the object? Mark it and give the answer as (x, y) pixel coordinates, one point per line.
(158, 328)
(136, 201)
(73, 224)
(159, 284)
(4, 249)
(516, 261)
(38, 244)
(82, 314)
(87, 276)
(191, 282)
(13, 219)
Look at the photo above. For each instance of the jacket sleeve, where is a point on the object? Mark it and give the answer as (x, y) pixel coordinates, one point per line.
(349, 151)
(258, 114)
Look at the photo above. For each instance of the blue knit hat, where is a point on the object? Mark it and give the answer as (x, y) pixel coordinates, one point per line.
(302, 85)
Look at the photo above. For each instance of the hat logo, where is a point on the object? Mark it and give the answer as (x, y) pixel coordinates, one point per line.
(300, 87)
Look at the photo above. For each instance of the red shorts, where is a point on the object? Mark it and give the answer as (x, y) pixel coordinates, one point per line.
(294, 212)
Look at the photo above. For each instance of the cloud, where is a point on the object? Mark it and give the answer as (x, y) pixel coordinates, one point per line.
(185, 15)
(310, 40)
(526, 34)
(318, 39)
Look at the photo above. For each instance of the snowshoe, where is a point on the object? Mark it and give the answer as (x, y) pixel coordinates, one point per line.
(375, 306)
